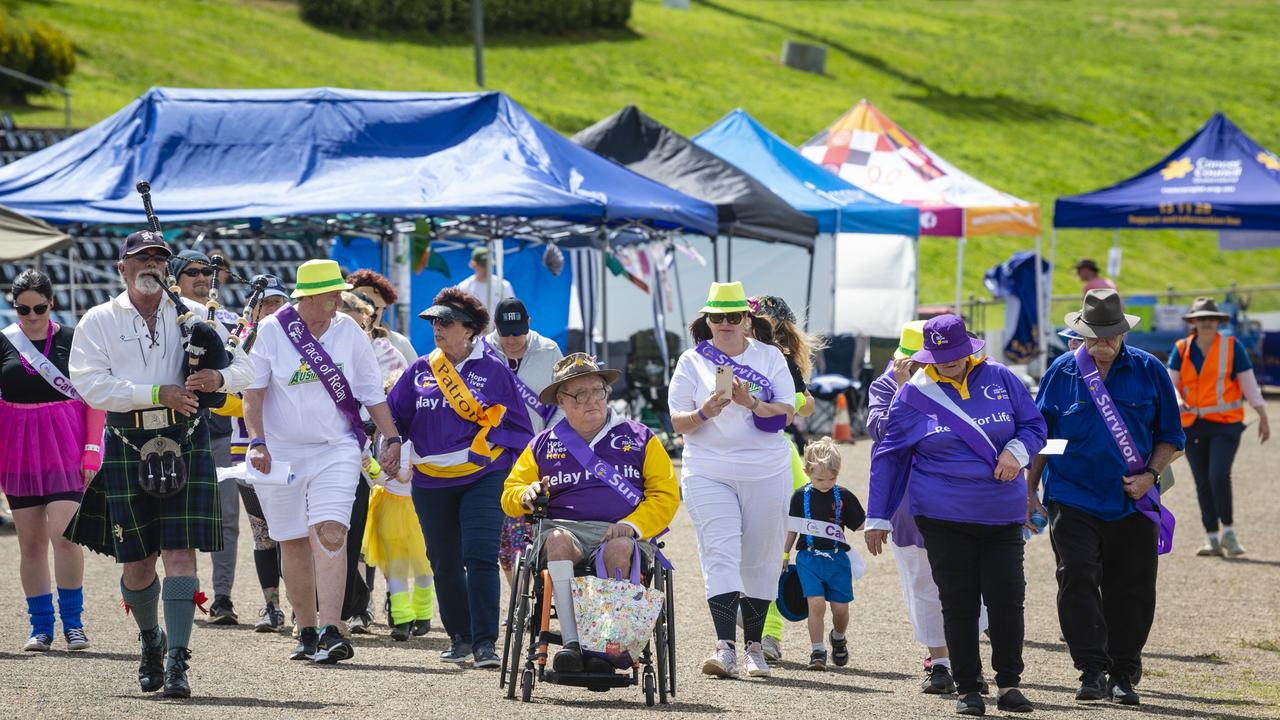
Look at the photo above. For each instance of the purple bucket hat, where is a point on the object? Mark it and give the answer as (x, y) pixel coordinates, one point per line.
(946, 340)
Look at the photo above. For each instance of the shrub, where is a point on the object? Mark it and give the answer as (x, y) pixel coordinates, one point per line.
(35, 48)
(454, 16)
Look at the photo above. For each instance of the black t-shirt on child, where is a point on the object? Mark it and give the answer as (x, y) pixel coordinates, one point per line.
(822, 506)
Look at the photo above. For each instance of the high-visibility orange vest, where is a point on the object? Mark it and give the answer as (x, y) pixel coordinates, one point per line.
(1211, 393)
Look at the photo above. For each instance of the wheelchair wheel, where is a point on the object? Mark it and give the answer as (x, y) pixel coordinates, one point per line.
(526, 685)
(511, 613)
(649, 686)
(670, 621)
(515, 630)
(660, 645)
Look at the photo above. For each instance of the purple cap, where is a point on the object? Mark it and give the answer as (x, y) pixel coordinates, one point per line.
(946, 340)
(141, 240)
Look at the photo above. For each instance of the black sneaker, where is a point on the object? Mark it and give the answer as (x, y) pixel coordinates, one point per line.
(1120, 691)
(332, 647)
(839, 650)
(175, 675)
(421, 627)
(818, 660)
(76, 638)
(308, 644)
(1014, 701)
(1093, 686)
(939, 681)
(568, 659)
(359, 623)
(971, 704)
(486, 656)
(458, 652)
(986, 686)
(151, 671)
(401, 632)
(222, 611)
(270, 619)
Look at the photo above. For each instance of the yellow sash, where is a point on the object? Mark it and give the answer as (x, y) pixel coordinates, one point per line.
(459, 397)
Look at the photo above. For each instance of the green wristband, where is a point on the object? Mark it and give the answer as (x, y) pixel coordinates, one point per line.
(155, 394)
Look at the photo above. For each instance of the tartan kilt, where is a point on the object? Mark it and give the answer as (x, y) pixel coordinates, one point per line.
(118, 519)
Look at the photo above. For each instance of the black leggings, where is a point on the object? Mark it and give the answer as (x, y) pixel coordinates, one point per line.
(266, 552)
(1211, 450)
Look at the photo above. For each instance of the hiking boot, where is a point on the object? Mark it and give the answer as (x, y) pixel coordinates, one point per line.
(175, 675)
(401, 631)
(421, 627)
(223, 612)
(457, 653)
(772, 648)
(1014, 701)
(151, 670)
(939, 681)
(332, 647)
(839, 650)
(971, 704)
(76, 639)
(568, 659)
(1211, 547)
(1093, 686)
(486, 656)
(818, 660)
(308, 644)
(270, 619)
(723, 662)
(1120, 691)
(40, 642)
(1230, 545)
(753, 661)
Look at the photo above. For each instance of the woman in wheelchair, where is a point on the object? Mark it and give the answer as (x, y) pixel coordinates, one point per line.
(609, 484)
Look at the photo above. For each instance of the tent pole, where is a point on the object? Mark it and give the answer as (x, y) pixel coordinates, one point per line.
(1041, 349)
(675, 268)
(960, 277)
(715, 258)
(728, 269)
(73, 259)
(604, 311)
(808, 292)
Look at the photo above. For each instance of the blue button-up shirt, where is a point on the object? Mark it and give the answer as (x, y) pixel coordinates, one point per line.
(1090, 475)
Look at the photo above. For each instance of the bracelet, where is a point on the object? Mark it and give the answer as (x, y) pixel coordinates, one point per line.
(256, 442)
(755, 403)
(1154, 474)
(155, 394)
(397, 440)
(702, 416)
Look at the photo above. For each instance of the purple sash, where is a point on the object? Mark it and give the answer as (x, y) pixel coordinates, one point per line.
(1148, 504)
(923, 394)
(746, 374)
(593, 464)
(525, 392)
(317, 358)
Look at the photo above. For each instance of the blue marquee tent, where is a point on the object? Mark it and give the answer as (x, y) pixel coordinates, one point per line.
(237, 154)
(1219, 179)
(740, 139)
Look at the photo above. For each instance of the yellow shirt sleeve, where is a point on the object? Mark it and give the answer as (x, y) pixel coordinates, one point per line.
(523, 474)
(233, 407)
(661, 492)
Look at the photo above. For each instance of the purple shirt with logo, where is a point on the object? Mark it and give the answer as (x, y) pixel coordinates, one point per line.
(574, 495)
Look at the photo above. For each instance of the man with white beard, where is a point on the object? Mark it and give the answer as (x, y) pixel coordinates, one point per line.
(156, 495)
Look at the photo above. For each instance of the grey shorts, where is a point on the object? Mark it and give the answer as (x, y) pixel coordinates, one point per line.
(587, 535)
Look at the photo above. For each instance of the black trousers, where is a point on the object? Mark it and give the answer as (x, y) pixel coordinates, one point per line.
(972, 564)
(1106, 586)
(1211, 450)
(356, 598)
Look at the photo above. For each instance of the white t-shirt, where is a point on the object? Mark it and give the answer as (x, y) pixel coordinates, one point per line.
(481, 290)
(730, 446)
(297, 410)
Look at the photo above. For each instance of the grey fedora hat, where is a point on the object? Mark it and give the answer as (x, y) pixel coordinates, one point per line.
(1102, 315)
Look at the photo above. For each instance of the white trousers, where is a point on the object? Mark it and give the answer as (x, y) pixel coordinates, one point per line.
(740, 526)
(920, 594)
(324, 488)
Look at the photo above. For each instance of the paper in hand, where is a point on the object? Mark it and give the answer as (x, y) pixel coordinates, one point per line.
(281, 475)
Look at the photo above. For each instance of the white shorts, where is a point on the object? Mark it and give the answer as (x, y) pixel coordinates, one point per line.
(920, 594)
(324, 488)
(740, 527)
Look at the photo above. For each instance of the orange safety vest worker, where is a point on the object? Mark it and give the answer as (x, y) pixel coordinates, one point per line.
(1211, 393)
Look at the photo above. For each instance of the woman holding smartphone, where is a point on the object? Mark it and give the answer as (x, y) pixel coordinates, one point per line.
(736, 474)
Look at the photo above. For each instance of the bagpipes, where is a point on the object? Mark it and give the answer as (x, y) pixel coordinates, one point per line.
(203, 346)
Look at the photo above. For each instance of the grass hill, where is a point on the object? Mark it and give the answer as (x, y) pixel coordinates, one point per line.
(1038, 98)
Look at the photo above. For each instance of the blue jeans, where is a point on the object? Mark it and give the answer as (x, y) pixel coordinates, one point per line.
(462, 526)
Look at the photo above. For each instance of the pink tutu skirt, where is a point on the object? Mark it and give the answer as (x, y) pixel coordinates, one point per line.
(41, 447)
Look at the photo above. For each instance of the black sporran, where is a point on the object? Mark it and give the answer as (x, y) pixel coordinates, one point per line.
(162, 472)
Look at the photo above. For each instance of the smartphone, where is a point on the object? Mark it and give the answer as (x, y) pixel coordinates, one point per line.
(724, 381)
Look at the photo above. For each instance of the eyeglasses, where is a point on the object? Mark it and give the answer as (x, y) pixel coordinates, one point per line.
(40, 309)
(441, 323)
(731, 318)
(197, 272)
(586, 397)
(149, 257)
(1113, 340)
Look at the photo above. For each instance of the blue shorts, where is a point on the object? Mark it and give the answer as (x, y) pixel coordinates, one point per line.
(826, 574)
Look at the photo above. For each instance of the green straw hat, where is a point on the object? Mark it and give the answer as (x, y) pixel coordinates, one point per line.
(726, 298)
(316, 277)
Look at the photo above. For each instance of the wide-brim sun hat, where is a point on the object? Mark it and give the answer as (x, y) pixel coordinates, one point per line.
(911, 340)
(1102, 316)
(317, 277)
(946, 340)
(1070, 334)
(1205, 307)
(571, 366)
(726, 298)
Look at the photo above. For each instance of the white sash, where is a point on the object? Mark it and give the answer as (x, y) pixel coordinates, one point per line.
(37, 360)
(930, 389)
(816, 528)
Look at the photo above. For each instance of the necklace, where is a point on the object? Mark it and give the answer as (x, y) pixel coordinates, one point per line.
(48, 344)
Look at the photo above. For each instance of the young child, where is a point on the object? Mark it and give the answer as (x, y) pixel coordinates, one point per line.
(820, 513)
(393, 542)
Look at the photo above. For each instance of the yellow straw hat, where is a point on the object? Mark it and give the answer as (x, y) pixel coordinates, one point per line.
(911, 341)
(316, 277)
(726, 298)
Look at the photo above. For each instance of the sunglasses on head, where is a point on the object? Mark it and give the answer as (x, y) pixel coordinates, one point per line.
(40, 309)
(197, 272)
(731, 318)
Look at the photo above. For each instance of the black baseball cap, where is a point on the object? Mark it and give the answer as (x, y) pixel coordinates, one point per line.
(143, 240)
(511, 318)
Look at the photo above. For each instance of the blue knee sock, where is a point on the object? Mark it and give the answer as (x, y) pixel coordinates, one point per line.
(180, 608)
(40, 608)
(70, 605)
(142, 604)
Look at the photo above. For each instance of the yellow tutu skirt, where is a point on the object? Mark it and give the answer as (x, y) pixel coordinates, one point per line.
(393, 539)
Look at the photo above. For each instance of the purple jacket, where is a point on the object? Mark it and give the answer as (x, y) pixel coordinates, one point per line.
(423, 416)
(880, 396)
(950, 481)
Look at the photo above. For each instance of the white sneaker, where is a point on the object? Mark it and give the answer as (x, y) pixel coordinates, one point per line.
(754, 661)
(772, 649)
(723, 662)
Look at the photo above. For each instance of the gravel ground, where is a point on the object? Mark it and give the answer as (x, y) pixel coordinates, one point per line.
(1214, 651)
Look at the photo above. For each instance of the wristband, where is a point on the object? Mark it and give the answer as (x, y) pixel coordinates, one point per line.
(256, 442)
(93, 448)
(702, 416)
(155, 394)
(397, 440)
(755, 403)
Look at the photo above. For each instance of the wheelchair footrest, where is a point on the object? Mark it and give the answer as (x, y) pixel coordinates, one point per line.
(591, 681)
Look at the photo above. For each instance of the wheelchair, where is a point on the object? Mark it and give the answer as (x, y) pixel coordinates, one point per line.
(528, 638)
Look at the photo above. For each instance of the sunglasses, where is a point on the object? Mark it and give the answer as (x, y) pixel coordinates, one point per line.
(24, 310)
(731, 318)
(197, 272)
(441, 323)
(149, 257)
